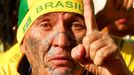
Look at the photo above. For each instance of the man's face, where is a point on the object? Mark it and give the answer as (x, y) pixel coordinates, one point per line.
(123, 24)
(116, 18)
(49, 41)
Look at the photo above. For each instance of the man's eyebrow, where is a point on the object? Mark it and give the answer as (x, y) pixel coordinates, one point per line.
(41, 18)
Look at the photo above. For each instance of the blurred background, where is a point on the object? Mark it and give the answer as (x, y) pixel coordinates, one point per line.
(8, 23)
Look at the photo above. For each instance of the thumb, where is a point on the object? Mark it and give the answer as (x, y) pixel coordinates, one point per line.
(78, 54)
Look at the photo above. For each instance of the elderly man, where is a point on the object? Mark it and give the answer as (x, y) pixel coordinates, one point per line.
(59, 37)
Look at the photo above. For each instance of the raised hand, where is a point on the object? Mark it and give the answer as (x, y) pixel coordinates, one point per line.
(98, 52)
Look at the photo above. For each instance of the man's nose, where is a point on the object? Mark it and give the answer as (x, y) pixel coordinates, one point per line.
(61, 40)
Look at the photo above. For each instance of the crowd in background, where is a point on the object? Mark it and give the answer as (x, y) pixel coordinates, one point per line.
(8, 23)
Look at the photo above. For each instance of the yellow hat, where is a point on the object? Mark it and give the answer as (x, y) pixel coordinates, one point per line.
(30, 10)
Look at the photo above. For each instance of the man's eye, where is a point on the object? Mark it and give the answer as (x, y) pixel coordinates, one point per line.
(77, 26)
(46, 26)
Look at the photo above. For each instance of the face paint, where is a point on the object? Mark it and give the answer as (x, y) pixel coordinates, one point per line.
(50, 41)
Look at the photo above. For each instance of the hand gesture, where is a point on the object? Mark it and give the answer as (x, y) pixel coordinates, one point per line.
(98, 53)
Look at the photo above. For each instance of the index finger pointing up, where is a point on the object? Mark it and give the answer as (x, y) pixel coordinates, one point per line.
(89, 16)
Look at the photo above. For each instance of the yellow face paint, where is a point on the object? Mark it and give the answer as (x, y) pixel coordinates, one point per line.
(37, 8)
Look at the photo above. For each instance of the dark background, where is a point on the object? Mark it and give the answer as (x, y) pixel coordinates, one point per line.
(8, 22)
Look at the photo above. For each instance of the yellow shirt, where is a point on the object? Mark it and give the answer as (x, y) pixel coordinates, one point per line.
(9, 61)
(128, 54)
(11, 56)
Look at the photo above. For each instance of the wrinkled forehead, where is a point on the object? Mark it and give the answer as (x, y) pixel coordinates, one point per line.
(65, 14)
(54, 16)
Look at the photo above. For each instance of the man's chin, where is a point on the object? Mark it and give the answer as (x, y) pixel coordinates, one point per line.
(62, 71)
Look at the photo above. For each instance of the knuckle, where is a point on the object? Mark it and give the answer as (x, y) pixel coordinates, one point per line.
(115, 47)
(86, 40)
(92, 47)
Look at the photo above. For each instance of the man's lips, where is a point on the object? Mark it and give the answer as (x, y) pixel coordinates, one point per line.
(122, 20)
(60, 60)
(122, 23)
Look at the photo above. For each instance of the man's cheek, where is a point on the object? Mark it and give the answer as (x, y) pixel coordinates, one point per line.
(51, 52)
(79, 39)
(79, 36)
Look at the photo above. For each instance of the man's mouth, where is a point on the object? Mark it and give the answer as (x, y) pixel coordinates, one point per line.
(122, 20)
(122, 24)
(60, 61)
